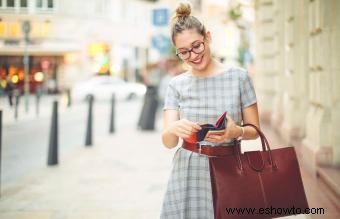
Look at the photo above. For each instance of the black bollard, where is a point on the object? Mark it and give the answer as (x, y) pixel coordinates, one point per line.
(68, 93)
(16, 105)
(0, 146)
(88, 140)
(37, 104)
(112, 117)
(143, 112)
(53, 147)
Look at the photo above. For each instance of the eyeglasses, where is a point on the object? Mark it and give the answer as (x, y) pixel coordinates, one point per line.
(197, 48)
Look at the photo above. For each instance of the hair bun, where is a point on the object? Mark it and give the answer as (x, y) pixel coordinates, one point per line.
(183, 9)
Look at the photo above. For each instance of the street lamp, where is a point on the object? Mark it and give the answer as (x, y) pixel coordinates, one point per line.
(26, 28)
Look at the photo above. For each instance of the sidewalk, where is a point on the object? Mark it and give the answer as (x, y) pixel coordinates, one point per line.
(108, 180)
(113, 180)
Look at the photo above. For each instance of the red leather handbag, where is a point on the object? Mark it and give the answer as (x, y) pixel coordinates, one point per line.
(257, 184)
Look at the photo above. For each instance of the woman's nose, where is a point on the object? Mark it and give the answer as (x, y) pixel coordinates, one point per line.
(193, 55)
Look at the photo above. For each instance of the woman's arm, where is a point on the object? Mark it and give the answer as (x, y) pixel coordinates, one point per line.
(250, 115)
(175, 128)
(169, 140)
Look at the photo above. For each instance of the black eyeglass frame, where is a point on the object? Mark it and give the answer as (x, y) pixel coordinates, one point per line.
(192, 50)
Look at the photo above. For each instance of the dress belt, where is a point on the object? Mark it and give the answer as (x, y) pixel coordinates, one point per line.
(212, 151)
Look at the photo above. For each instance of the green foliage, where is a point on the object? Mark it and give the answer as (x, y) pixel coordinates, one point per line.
(235, 12)
(172, 53)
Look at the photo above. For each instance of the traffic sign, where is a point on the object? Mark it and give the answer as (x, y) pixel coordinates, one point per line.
(161, 43)
(160, 17)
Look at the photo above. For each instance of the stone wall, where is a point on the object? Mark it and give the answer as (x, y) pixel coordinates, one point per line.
(298, 75)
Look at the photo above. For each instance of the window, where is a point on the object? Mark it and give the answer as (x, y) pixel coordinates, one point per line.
(23, 3)
(50, 4)
(10, 3)
(15, 5)
(45, 4)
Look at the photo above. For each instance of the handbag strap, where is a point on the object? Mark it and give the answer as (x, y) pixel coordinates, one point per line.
(265, 143)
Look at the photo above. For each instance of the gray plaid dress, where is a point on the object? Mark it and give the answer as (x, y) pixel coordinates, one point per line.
(202, 100)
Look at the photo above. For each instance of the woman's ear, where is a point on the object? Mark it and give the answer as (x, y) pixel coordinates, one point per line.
(208, 36)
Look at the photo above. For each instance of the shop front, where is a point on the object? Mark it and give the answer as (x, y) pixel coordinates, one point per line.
(42, 71)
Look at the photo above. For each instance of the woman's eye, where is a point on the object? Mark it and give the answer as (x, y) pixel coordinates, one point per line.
(184, 53)
(196, 46)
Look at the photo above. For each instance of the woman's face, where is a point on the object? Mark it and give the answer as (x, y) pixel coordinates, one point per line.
(193, 48)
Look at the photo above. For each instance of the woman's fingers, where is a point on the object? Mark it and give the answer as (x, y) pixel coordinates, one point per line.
(196, 127)
(183, 132)
(190, 126)
(215, 138)
(185, 128)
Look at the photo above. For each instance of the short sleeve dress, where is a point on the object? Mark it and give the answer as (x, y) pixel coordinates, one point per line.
(202, 100)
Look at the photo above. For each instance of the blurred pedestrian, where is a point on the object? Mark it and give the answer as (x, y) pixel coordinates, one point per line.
(201, 95)
(152, 74)
(151, 77)
(9, 90)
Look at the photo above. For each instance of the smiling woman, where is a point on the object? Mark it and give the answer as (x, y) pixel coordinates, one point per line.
(200, 96)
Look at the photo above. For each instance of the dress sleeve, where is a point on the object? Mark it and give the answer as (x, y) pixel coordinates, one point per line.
(172, 97)
(248, 95)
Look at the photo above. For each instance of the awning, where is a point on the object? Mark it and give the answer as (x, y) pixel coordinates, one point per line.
(44, 48)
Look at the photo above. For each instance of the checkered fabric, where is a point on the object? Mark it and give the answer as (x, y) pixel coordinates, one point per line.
(202, 100)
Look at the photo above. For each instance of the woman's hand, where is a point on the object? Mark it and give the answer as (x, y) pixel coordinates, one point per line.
(231, 131)
(183, 128)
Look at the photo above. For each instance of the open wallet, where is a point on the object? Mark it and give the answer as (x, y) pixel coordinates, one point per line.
(220, 125)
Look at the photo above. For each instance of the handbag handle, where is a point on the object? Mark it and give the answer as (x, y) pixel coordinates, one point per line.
(262, 137)
(249, 124)
(265, 144)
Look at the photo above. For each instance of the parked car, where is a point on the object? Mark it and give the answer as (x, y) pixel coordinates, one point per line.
(102, 88)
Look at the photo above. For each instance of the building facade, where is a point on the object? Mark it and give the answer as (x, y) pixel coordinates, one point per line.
(71, 40)
(298, 76)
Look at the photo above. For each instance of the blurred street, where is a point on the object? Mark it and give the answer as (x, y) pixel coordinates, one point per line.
(76, 51)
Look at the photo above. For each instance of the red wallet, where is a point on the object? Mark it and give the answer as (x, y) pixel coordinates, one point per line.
(220, 124)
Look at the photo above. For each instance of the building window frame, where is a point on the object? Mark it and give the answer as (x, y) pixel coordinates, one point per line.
(4, 5)
(45, 5)
(24, 5)
(8, 3)
(22, 2)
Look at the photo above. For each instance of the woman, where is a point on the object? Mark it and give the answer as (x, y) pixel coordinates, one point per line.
(198, 96)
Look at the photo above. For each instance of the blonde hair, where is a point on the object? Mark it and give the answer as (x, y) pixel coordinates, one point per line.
(182, 20)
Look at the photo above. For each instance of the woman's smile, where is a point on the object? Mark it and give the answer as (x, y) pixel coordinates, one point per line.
(198, 60)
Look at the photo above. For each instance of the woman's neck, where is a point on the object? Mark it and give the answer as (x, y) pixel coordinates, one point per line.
(209, 70)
